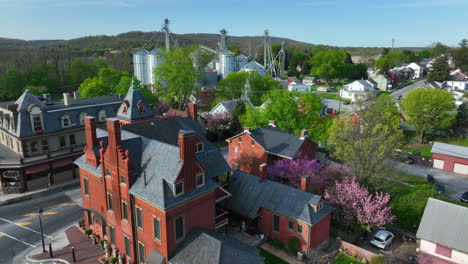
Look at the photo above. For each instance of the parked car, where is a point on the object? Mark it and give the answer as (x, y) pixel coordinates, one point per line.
(464, 197)
(329, 110)
(382, 239)
(430, 178)
(347, 102)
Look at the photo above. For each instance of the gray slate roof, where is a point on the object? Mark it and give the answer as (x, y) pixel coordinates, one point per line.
(132, 99)
(155, 257)
(154, 149)
(274, 140)
(249, 195)
(456, 78)
(450, 150)
(231, 104)
(206, 247)
(445, 224)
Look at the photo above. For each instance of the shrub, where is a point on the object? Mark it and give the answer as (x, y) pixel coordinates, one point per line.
(102, 241)
(88, 232)
(275, 242)
(81, 223)
(377, 260)
(113, 260)
(354, 255)
(293, 245)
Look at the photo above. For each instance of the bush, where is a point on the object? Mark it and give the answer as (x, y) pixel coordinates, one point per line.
(113, 260)
(102, 241)
(276, 243)
(88, 232)
(81, 223)
(377, 260)
(293, 245)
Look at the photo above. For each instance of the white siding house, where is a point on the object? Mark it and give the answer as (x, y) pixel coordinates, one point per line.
(228, 106)
(357, 90)
(457, 82)
(298, 87)
(418, 70)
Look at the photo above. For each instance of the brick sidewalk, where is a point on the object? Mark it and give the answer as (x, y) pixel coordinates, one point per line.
(85, 251)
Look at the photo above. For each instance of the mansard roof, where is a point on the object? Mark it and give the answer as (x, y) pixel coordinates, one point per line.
(129, 110)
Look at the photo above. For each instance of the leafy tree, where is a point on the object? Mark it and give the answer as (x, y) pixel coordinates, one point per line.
(460, 127)
(356, 204)
(460, 56)
(177, 76)
(217, 120)
(366, 141)
(293, 170)
(328, 63)
(11, 84)
(393, 59)
(239, 110)
(385, 51)
(292, 111)
(108, 81)
(161, 107)
(354, 71)
(428, 109)
(248, 84)
(440, 70)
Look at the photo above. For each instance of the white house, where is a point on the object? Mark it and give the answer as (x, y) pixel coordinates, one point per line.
(228, 106)
(298, 87)
(443, 233)
(254, 66)
(457, 82)
(418, 70)
(357, 90)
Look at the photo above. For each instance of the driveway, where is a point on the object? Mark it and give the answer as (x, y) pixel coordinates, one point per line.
(335, 104)
(455, 184)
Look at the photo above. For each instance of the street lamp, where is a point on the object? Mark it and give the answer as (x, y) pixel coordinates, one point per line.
(39, 213)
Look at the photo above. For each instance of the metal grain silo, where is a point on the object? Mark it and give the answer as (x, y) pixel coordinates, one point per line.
(140, 66)
(241, 60)
(226, 59)
(155, 59)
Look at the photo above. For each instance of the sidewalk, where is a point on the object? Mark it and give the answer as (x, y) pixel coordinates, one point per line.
(30, 195)
(85, 251)
(280, 254)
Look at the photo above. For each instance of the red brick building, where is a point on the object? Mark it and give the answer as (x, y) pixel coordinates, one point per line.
(146, 185)
(268, 144)
(279, 211)
(450, 157)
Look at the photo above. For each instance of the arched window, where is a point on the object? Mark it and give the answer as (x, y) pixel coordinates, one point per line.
(66, 122)
(102, 115)
(36, 118)
(82, 116)
(141, 106)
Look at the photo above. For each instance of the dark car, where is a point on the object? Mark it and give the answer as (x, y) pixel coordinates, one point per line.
(329, 110)
(464, 197)
(430, 178)
(347, 102)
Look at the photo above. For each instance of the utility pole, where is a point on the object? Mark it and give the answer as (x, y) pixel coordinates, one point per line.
(265, 47)
(393, 43)
(166, 32)
(42, 233)
(282, 59)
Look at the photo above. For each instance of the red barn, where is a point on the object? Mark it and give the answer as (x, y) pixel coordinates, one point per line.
(450, 157)
(147, 185)
(268, 144)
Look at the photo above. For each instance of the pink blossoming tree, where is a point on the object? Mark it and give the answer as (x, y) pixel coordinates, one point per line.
(355, 203)
(291, 171)
(217, 120)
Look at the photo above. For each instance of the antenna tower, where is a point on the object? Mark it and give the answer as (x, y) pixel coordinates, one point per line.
(166, 31)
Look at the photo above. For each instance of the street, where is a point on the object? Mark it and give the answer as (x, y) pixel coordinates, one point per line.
(19, 223)
(403, 91)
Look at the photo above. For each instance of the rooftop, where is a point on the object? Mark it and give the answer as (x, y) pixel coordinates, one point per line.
(450, 150)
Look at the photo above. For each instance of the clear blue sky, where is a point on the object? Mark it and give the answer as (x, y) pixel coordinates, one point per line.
(335, 22)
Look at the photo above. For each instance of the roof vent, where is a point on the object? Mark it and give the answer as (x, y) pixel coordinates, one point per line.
(272, 123)
(303, 134)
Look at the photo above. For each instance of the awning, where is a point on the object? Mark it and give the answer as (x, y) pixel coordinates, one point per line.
(221, 194)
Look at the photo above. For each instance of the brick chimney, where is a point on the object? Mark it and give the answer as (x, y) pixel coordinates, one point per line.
(247, 130)
(67, 100)
(114, 139)
(262, 172)
(305, 179)
(192, 111)
(303, 134)
(91, 140)
(272, 123)
(187, 140)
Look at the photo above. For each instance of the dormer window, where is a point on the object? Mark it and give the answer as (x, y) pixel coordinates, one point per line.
(178, 188)
(102, 115)
(66, 121)
(199, 147)
(36, 118)
(141, 107)
(200, 179)
(124, 109)
(82, 116)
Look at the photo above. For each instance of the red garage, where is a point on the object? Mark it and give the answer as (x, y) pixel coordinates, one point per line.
(450, 157)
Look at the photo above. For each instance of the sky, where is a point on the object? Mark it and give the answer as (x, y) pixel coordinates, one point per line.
(357, 23)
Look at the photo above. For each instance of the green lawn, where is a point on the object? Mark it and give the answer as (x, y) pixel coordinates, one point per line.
(343, 259)
(331, 96)
(412, 143)
(270, 258)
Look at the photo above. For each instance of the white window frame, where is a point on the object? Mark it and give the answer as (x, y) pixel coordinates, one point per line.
(102, 115)
(175, 188)
(33, 112)
(82, 117)
(199, 149)
(66, 117)
(203, 179)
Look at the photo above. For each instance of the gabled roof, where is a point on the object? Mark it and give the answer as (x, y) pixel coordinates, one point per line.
(241, 56)
(275, 141)
(445, 224)
(456, 78)
(231, 104)
(252, 65)
(206, 247)
(131, 101)
(294, 79)
(450, 150)
(249, 195)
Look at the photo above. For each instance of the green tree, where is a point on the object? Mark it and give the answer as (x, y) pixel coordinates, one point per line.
(11, 84)
(429, 109)
(393, 59)
(365, 142)
(460, 56)
(460, 127)
(292, 111)
(329, 63)
(239, 110)
(440, 70)
(177, 76)
(108, 81)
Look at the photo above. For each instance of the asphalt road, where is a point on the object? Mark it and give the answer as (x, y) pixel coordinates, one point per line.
(403, 91)
(337, 105)
(19, 223)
